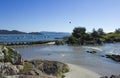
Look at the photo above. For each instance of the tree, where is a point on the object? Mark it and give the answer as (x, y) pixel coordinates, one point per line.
(100, 31)
(71, 40)
(94, 34)
(79, 32)
(117, 30)
(97, 35)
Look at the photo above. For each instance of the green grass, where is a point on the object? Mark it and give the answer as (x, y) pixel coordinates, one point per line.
(110, 35)
(27, 67)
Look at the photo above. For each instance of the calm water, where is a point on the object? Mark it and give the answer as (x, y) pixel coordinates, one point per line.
(76, 55)
(14, 38)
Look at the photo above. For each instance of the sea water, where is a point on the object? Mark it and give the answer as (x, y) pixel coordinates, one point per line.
(17, 38)
(76, 55)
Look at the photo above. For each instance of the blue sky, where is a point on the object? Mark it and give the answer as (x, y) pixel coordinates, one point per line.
(54, 15)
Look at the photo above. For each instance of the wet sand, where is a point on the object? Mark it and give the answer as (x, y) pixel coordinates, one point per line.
(80, 72)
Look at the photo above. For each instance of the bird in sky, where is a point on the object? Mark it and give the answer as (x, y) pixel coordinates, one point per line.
(69, 22)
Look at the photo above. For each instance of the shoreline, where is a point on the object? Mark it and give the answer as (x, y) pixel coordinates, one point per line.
(25, 45)
(80, 72)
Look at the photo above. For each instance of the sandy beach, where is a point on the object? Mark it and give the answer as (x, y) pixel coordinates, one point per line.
(80, 72)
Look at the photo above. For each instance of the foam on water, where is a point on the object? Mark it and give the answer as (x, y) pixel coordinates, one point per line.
(94, 48)
(115, 51)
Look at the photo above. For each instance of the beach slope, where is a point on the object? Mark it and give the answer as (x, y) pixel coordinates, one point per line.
(80, 72)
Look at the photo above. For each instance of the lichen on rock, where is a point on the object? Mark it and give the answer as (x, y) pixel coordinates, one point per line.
(10, 55)
(51, 67)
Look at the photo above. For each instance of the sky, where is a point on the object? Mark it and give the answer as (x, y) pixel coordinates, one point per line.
(55, 15)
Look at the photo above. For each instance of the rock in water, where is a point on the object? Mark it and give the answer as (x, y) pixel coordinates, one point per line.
(114, 57)
(112, 76)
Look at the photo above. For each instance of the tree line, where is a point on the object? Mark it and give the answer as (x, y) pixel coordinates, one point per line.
(80, 36)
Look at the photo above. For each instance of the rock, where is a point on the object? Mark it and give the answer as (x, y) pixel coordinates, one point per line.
(112, 76)
(13, 66)
(59, 42)
(114, 57)
(1, 54)
(104, 77)
(50, 67)
(115, 76)
(27, 76)
(20, 67)
(8, 69)
(92, 52)
(11, 61)
(10, 55)
(31, 72)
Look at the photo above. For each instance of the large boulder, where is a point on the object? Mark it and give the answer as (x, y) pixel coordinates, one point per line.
(8, 69)
(1, 54)
(10, 55)
(11, 62)
(50, 67)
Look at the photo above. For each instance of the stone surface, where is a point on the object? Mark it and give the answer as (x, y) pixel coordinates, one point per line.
(8, 69)
(1, 54)
(13, 66)
(50, 67)
(28, 76)
(112, 76)
(92, 52)
(19, 67)
(114, 57)
(10, 55)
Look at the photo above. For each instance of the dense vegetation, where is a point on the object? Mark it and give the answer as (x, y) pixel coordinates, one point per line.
(80, 36)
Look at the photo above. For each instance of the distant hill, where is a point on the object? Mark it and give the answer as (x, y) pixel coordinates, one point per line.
(42, 32)
(11, 32)
(47, 32)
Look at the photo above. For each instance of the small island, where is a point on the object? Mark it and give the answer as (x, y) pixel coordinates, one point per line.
(81, 37)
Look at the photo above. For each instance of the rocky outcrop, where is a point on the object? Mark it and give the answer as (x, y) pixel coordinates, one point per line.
(114, 57)
(1, 54)
(11, 62)
(12, 66)
(10, 55)
(59, 42)
(51, 67)
(8, 69)
(28, 76)
(92, 52)
(112, 76)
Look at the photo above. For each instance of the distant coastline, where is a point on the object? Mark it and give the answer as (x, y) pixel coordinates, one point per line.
(16, 37)
(21, 32)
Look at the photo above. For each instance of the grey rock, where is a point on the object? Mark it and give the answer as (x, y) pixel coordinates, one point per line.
(8, 69)
(112, 76)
